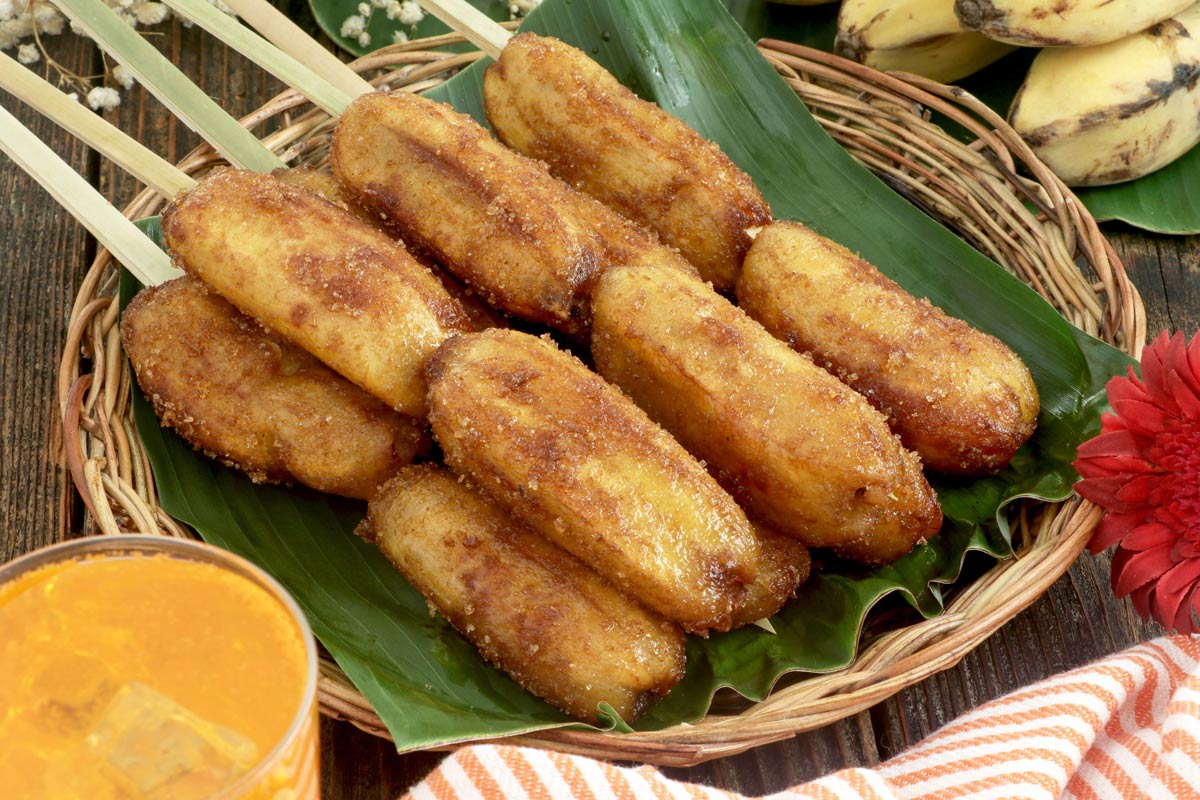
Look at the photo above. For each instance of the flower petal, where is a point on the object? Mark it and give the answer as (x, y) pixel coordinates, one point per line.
(1102, 491)
(1151, 534)
(1181, 577)
(1185, 398)
(1110, 444)
(1114, 528)
(1142, 416)
(1138, 490)
(1131, 570)
(1141, 600)
(1153, 371)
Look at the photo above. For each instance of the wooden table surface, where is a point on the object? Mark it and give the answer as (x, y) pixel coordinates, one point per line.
(46, 253)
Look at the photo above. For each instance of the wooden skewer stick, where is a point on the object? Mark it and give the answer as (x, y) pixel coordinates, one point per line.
(122, 238)
(185, 100)
(315, 87)
(91, 128)
(479, 29)
(289, 37)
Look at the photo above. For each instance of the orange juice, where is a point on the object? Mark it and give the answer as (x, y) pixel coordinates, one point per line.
(152, 668)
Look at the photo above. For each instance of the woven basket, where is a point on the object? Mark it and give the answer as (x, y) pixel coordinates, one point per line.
(983, 190)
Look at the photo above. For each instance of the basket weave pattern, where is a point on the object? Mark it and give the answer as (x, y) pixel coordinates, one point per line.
(992, 191)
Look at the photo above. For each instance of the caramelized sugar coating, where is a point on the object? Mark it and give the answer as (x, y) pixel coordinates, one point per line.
(532, 609)
(800, 449)
(783, 565)
(544, 436)
(528, 243)
(251, 400)
(320, 277)
(960, 398)
(322, 182)
(551, 102)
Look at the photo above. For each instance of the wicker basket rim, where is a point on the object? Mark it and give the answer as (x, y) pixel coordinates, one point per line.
(113, 476)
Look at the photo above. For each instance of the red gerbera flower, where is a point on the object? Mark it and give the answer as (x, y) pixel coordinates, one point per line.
(1144, 470)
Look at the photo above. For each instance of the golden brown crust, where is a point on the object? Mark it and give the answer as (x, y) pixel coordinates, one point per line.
(797, 447)
(546, 437)
(255, 402)
(960, 398)
(529, 244)
(532, 609)
(323, 183)
(321, 278)
(551, 102)
(783, 565)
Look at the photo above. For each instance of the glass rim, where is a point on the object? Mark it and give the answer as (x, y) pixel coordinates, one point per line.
(206, 553)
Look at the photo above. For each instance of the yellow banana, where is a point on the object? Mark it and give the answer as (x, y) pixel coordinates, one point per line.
(919, 36)
(1114, 112)
(1060, 23)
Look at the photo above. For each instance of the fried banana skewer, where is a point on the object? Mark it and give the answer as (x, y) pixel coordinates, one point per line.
(783, 565)
(960, 398)
(549, 101)
(317, 275)
(528, 243)
(255, 402)
(532, 609)
(546, 437)
(800, 449)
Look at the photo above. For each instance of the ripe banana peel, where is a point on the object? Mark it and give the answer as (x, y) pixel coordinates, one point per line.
(919, 36)
(1059, 23)
(1117, 111)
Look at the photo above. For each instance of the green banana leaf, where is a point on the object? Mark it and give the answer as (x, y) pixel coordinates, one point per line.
(1166, 201)
(427, 685)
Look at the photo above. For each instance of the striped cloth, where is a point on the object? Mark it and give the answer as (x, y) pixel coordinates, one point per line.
(1125, 727)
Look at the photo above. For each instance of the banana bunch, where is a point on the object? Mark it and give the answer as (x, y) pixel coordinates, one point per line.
(1117, 111)
(1063, 23)
(919, 36)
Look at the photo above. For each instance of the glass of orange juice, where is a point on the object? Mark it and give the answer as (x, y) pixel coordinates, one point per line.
(153, 668)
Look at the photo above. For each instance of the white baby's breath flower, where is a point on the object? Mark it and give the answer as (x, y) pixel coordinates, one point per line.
(364, 39)
(151, 13)
(352, 26)
(364, 9)
(103, 98)
(222, 7)
(410, 13)
(8, 12)
(379, 3)
(8, 39)
(523, 6)
(123, 76)
(48, 20)
(399, 37)
(28, 54)
(73, 96)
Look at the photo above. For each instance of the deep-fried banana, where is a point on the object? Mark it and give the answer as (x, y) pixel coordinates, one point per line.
(551, 102)
(318, 276)
(255, 402)
(783, 564)
(531, 608)
(528, 243)
(960, 398)
(799, 449)
(565, 451)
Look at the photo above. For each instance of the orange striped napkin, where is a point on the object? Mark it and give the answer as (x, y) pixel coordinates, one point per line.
(1127, 726)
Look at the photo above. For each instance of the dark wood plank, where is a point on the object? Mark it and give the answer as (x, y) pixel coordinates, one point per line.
(46, 253)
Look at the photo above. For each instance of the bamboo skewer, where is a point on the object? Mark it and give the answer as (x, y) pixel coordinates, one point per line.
(92, 129)
(316, 88)
(120, 236)
(184, 99)
(276, 28)
(478, 28)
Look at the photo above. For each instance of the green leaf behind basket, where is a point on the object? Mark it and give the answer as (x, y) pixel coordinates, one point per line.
(425, 683)
(330, 14)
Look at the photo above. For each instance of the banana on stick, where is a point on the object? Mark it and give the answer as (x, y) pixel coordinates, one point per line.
(1117, 111)
(531, 608)
(546, 437)
(918, 36)
(958, 397)
(795, 445)
(255, 402)
(318, 276)
(528, 243)
(1063, 23)
(551, 102)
